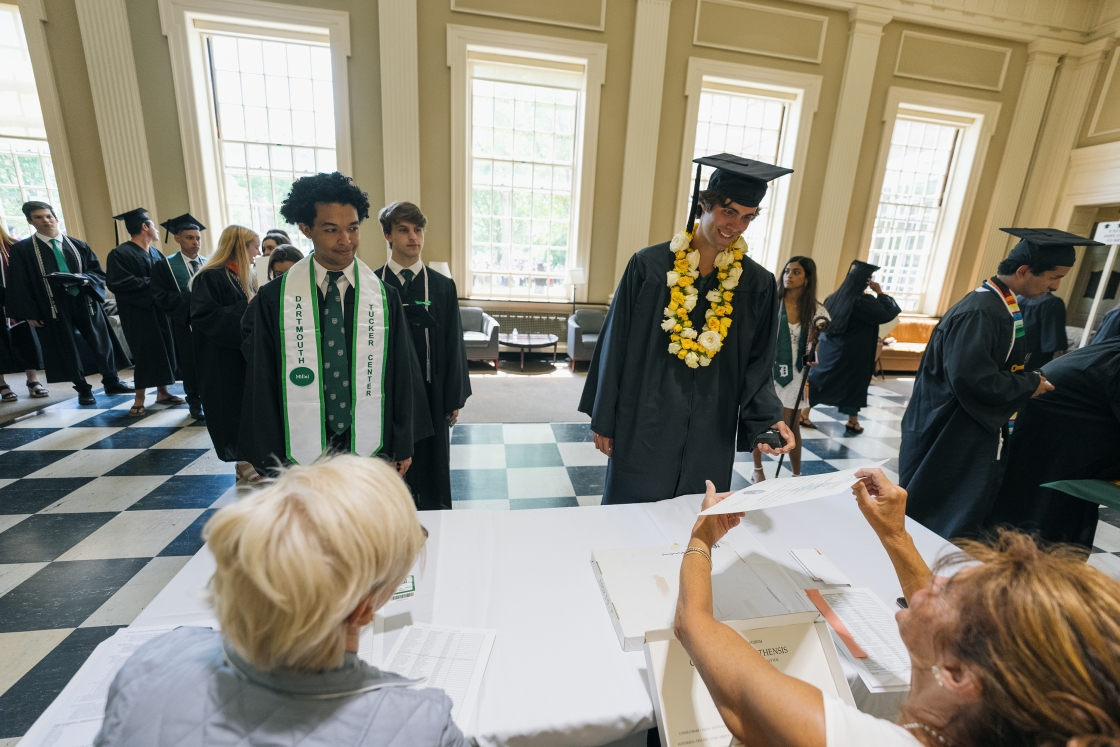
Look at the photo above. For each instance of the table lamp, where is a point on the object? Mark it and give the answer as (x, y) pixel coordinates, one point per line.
(576, 276)
(441, 268)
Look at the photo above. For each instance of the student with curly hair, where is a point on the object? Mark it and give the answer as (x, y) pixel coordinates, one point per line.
(330, 363)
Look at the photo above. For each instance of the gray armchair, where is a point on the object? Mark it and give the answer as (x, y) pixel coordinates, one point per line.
(480, 334)
(583, 333)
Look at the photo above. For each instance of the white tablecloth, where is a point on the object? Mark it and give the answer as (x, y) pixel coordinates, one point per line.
(557, 675)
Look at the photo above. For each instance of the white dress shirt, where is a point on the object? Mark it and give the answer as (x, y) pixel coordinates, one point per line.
(396, 268)
(347, 278)
(48, 239)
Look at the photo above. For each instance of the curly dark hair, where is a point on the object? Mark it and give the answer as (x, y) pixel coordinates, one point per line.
(308, 191)
(1038, 267)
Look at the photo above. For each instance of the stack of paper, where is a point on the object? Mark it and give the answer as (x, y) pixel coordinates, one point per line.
(640, 587)
(798, 645)
(450, 659)
(864, 623)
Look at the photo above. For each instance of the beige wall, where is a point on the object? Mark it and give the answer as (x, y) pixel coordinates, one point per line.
(158, 109)
(1104, 106)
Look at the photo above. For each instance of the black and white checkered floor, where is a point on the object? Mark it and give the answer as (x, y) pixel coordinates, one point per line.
(98, 511)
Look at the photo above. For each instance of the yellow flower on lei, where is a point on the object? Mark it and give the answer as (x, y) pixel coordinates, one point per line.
(698, 350)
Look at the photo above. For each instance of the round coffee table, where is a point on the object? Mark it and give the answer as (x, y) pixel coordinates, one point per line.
(529, 342)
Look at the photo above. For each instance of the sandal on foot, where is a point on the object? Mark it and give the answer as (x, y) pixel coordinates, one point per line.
(137, 411)
(6, 394)
(37, 390)
(171, 401)
(758, 476)
(853, 427)
(248, 473)
(806, 423)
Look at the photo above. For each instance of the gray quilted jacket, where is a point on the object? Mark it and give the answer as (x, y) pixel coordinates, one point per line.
(188, 690)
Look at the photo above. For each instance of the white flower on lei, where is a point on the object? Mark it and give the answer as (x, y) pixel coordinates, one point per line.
(732, 280)
(674, 348)
(709, 314)
(693, 261)
(680, 241)
(705, 361)
(724, 259)
(692, 360)
(711, 341)
(668, 324)
(714, 295)
(690, 299)
(689, 332)
(671, 278)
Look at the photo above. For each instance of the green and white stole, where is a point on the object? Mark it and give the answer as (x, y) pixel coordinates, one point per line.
(305, 433)
(786, 360)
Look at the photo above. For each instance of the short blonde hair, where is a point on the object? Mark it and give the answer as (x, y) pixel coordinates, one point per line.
(297, 557)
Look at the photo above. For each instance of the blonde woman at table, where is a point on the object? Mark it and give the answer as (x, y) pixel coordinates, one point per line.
(302, 566)
(1020, 649)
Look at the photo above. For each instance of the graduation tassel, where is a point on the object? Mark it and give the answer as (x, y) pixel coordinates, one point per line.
(690, 223)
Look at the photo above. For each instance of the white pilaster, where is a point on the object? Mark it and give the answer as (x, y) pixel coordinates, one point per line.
(34, 15)
(117, 104)
(643, 122)
(400, 99)
(1059, 132)
(864, 34)
(1042, 61)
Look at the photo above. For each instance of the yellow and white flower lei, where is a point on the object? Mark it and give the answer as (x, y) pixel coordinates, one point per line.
(698, 349)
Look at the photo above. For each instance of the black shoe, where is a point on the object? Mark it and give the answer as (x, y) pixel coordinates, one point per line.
(197, 414)
(86, 397)
(119, 387)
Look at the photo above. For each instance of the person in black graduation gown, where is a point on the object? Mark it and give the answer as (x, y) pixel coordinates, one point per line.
(171, 293)
(431, 306)
(59, 307)
(129, 277)
(329, 209)
(1070, 433)
(1044, 328)
(970, 383)
(846, 352)
(19, 346)
(220, 293)
(1110, 327)
(667, 401)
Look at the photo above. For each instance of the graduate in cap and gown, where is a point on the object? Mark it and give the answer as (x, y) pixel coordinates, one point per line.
(129, 277)
(58, 286)
(171, 291)
(1069, 433)
(970, 384)
(431, 307)
(1044, 328)
(19, 347)
(330, 361)
(684, 362)
(846, 354)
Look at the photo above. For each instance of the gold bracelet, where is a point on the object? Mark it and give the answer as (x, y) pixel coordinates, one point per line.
(698, 551)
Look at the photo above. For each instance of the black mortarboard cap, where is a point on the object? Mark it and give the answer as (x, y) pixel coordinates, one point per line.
(125, 216)
(738, 179)
(1046, 245)
(180, 223)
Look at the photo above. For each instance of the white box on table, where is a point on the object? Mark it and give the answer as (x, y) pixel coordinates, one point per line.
(640, 586)
(798, 644)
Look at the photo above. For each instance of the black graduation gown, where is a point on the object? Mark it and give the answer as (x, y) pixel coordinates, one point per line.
(262, 425)
(846, 362)
(129, 277)
(443, 365)
(1110, 327)
(19, 345)
(955, 429)
(1071, 433)
(174, 299)
(673, 426)
(217, 305)
(1044, 327)
(63, 315)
